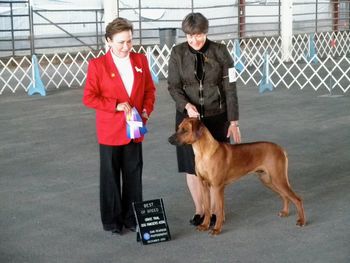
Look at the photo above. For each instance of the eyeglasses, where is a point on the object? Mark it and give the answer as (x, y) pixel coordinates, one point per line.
(197, 37)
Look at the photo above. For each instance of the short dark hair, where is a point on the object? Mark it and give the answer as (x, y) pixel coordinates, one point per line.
(195, 23)
(118, 25)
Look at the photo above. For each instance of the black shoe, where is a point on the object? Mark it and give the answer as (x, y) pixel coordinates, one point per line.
(131, 228)
(212, 220)
(117, 231)
(197, 220)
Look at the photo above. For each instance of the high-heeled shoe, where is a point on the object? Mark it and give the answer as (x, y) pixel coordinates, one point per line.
(117, 231)
(131, 228)
(197, 220)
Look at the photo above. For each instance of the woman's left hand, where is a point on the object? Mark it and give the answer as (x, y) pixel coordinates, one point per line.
(144, 115)
(233, 130)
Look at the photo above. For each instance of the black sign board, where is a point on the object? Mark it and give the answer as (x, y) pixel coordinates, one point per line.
(151, 221)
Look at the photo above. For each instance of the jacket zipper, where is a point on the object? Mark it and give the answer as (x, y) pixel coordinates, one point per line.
(201, 99)
(220, 105)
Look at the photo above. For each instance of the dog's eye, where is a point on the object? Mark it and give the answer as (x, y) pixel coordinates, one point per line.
(183, 131)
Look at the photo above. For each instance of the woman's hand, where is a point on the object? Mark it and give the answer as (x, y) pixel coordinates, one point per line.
(192, 110)
(144, 114)
(124, 106)
(233, 130)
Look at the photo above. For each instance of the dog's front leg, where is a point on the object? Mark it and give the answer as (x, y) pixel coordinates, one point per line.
(217, 196)
(206, 206)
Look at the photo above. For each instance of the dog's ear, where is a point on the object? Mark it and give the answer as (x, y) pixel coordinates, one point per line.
(198, 127)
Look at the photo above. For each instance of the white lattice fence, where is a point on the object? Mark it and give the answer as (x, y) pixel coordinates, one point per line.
(329, 73)
(325, 43)
(336, 44)
(328, 68)
(332, 52)
(65, 71)
(57, 71)
(158, 59)
(15, 74)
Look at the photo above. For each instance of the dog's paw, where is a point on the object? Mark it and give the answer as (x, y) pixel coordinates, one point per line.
(301, 222)
(283, 214)
(215, 232)
(202, 228)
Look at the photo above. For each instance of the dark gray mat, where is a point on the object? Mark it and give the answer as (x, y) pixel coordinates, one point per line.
(49, 184)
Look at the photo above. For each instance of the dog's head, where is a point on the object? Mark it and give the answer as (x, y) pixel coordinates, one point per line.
(188, 132)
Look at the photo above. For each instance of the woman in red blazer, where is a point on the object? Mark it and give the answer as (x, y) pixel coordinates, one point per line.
(117, 82)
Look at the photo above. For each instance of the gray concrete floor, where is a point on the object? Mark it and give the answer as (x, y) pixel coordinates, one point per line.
(49, 207)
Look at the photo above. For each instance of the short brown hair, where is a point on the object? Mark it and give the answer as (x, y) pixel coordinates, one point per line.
(195, 23)
(118, 25)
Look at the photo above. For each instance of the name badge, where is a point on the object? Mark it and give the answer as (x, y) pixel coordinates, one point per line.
(232, 76)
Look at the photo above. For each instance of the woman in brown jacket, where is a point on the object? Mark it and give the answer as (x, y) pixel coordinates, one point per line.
(201, 87)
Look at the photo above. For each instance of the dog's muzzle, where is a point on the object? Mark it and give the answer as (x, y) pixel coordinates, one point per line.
(173, 140)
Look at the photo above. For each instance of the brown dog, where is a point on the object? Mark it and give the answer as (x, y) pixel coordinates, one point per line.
(218, 164)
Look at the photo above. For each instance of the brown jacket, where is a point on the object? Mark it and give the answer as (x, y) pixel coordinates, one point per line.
(219, 95)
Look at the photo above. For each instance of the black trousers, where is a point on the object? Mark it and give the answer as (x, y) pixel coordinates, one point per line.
(120, 184)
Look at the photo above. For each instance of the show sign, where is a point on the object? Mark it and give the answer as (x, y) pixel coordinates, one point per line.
(152, 225)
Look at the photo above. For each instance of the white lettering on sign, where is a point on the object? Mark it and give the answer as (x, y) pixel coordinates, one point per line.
(153, 210)
(147, 205)
(152, 223)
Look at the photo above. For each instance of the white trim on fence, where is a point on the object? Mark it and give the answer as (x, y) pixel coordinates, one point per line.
(328, 69)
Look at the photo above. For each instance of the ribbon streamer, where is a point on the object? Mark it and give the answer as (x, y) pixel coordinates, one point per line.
(135, 127)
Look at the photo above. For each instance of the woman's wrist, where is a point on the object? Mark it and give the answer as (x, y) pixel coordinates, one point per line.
(234, 123)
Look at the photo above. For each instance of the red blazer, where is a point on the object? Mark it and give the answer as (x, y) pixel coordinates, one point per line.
(104, 89)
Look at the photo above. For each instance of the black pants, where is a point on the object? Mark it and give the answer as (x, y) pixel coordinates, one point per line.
(120, 184)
